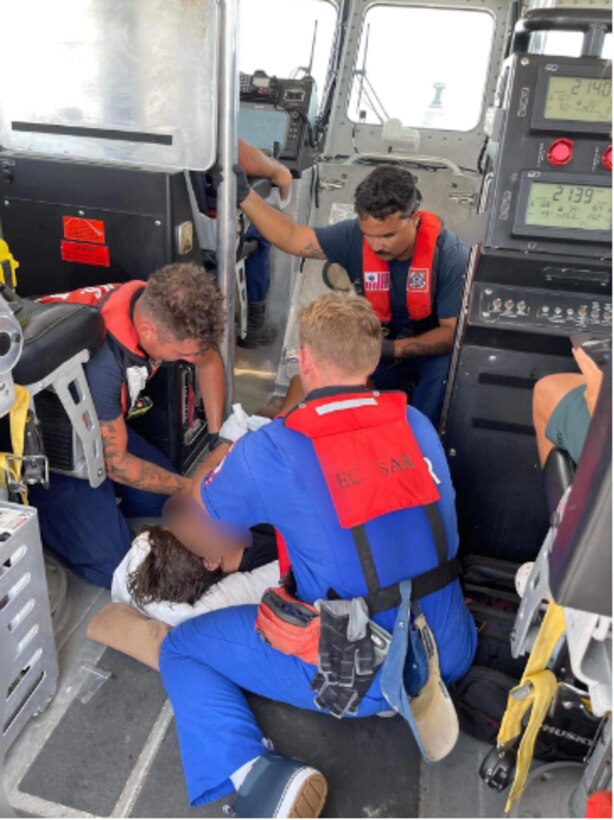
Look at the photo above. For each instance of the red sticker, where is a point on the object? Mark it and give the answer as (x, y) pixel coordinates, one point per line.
(83, 230)
(85, 253)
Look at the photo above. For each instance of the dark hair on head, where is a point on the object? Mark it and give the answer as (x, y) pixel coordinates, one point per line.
(387, 190)
(184, 302)
(170, 572)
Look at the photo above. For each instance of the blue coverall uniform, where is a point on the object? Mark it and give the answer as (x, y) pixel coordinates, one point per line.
(342, 243)
(273, 476)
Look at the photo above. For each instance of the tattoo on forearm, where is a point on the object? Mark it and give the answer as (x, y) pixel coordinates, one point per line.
(110, 447)
(135, 472)
(311, 251)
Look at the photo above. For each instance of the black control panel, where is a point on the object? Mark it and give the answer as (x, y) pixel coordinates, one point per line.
(540, 311)
(542, 275)
(553, 179)
(278, 115)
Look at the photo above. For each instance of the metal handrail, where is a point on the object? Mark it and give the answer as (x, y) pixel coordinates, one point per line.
(422, 159)
(228, 107)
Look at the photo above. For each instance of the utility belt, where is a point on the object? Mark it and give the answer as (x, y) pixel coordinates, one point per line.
(338, 635)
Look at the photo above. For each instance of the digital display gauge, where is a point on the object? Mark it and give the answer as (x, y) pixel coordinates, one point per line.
(563, 206)
(576, 207)
(578, 99)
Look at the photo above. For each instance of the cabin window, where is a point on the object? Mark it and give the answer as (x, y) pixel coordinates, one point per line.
(277, 36)
(424, 66)
(568, 44)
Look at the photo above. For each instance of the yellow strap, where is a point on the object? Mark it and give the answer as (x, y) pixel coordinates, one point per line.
(10, 268)
(535, 691)
(542, 690)
(18, 416)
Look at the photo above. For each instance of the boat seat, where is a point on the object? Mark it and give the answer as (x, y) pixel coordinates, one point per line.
(558, 473)
(58, 338)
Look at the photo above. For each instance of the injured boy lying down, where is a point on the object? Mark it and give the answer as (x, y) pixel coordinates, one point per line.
(166, 581)
(160, 583)
(163, 581)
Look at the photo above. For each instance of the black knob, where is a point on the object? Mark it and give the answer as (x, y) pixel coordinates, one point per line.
(5, 343)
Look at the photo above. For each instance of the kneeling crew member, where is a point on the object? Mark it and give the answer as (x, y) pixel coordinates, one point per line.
(403, 260)
(356, 483)
(178, 314)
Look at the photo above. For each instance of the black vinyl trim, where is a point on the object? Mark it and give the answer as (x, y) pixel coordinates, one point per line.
(503, 426)
(506, 381)
(93, 133)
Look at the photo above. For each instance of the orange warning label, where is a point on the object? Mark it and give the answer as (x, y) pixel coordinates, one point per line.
(83, 230)
(85, 253)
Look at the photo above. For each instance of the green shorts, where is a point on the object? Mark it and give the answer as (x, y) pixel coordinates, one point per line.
(569, 422)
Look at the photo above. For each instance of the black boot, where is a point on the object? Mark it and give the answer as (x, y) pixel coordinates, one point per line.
(259, 333)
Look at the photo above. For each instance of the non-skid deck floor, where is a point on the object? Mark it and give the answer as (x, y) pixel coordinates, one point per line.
(117, 754)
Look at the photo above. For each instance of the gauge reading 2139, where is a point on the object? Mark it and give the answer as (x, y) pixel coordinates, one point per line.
(580, 207)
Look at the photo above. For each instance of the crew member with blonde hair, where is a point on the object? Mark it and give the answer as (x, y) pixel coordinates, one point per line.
(356, 483)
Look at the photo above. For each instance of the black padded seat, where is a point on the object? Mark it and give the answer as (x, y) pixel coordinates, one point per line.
(557, 473)
(52, 334)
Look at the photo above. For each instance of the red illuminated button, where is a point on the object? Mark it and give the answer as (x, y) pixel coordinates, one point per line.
(560, 152)
(606, 159)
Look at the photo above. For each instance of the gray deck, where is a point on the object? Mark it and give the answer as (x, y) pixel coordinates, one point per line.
(116, 755)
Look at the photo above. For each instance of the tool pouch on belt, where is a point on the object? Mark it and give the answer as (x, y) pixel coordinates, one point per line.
(289, 625)
(352, 647)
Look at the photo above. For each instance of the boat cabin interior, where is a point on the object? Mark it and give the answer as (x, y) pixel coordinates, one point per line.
(119, 126)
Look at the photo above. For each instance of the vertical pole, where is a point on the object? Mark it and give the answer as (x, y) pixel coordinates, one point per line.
(593, 40)
(226, 195)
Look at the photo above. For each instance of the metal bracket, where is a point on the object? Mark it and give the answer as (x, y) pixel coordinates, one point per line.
(33, 469)
(590, 654)
(537, 590)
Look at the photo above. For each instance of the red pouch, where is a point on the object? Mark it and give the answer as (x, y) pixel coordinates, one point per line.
(289, 625)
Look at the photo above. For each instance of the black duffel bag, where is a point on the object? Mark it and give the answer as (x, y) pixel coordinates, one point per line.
(481, 695)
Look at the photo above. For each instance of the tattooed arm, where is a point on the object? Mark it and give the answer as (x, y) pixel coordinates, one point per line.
(280, 230)
(123, 467)
(435, 342)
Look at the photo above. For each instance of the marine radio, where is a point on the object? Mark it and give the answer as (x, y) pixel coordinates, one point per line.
(278, 116)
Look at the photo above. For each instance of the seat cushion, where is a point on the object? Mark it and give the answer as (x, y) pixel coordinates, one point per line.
(52, 334)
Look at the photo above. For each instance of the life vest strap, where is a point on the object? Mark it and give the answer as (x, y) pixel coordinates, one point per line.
(380, 598)
(421, 586)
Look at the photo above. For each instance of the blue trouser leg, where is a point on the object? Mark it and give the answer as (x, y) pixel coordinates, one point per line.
(85, 525)
(258, 267)
(204, 663)
(422, 378)
(431, 387)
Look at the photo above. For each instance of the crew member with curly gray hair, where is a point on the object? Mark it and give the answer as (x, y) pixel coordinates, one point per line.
(177, 314)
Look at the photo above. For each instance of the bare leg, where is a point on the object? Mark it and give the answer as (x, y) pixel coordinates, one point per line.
(294, 395)
(547, 394)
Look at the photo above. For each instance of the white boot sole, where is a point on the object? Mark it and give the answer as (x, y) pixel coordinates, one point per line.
(304, 796)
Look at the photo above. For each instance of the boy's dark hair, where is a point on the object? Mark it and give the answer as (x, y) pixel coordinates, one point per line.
(387, 190)
(170, 572)
(184, 302)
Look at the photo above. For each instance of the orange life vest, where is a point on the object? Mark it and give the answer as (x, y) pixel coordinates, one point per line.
(420, 277)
